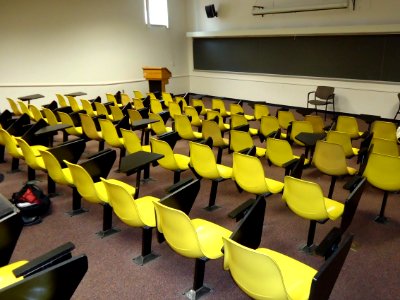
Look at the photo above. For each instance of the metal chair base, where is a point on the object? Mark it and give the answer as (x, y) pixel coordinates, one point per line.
(76, 212)
(196, 294)
(105, 233)
(142, 260)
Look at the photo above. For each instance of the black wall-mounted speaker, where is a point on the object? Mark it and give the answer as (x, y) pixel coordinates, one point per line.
(210, 11)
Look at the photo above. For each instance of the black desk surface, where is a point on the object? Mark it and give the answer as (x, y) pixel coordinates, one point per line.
(51, 129)
(30, 97)
(137, 161)
(76, 94)
(310, 139)
(142, 122)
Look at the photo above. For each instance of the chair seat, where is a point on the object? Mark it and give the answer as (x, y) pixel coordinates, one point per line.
(67, 177)
(146, 148)
(351, 170)
(355, 151)
(197, 135)
(274, 185)
(333, 208)
(102, 192)
(7, 276)
(249, 117)
(146, 210)
(210, 237)
(40, 163)
(260, 152)
(306, 160)
(224, 171)
(318, 102)
(253, 131)
(297, 276)
(36, 149)
(182, 161)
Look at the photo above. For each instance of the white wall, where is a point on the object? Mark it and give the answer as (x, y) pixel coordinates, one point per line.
(234, 17)
(95, 46)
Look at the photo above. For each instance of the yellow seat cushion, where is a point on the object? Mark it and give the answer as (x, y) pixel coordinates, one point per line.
(274, 186)
(334, 208)
(182, 161)
(224, 171)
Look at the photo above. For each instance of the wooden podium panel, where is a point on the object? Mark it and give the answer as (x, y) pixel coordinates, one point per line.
(157, 78)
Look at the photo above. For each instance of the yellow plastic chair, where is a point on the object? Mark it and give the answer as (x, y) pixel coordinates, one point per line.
(125, 99)
(155, 106)
(14, 107)
(87, 106)
(74, 104)
(24, 109)
(269, 125)
(386, 147)
(174, 109)
(237, 109)
(285, 117)
(199, 102)
(138, 103)
(330, 159)
(158, 127)
(102, 110)
(212, 115)
(181, 101)
(132, 142)
(349, 125)
(36, 113)
(138, 94)
(384, 130)
(95, 192)
(61, 100)
(171, 161)
(382, 171)
(297, 127)
(135, 213)
(73, 130)
(134, 115)
(191, 112)
(317, 123)
(111, 99)
(210, 129)
(90, 130)
(306, 199)
(241, 141)
(343, 139)
(191, 238)
(248, 173)
(260, 110)
(32, 158)
(267, 274)
(204, 164)
(167, 97)
(110, 136)
(50, 117)
(116, 112)
(280, 153)
(238, 121)
(219, 105)
(184, 129)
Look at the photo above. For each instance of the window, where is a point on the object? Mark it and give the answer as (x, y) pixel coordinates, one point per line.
(156, 12)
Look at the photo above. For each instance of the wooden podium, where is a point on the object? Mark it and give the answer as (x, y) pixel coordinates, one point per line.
(157, 78)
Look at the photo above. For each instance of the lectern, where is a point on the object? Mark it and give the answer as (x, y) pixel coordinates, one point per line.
(157, 78)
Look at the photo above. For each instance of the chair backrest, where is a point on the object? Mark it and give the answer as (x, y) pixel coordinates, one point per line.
(109, 132)
(384, 130)
(324, 92)
(183, 127)
(300, 126)
(382, 171)
(240, 140)
(9, 143)
(285, 117)
(324, 281)
(157, 127)
(29, 155)
(238, 121)
(248, 173)
(174, 109)
(178, 231)
(66, 119)
(61, 100)
(255, 273)
(25, 109)
(111, 98)
(36, 113)
(260, 110)
(87, 106)
(162, 147)
(138, 103)
(134, 115)
(212, 115)
(14, 107)
(317, 123)
(101, 109)
(89, 127)
(167, 97)
(83, 182)
(279, 151)
(236, 109)
(192, 112)
(349, 125)
(131, 141)
(53, 167)
(155, 106)
(211, 129)
(116, 112)
(330, 158)
(138, 94)
(383, 146)
(50, 116)
(199, 102)
(73, 103)
(202, 159)
(341, 138)
(219, 104)
(125, 207)
(268, 125)
(304, 198)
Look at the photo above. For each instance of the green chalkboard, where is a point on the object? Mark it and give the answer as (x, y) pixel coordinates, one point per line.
(363, 57)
